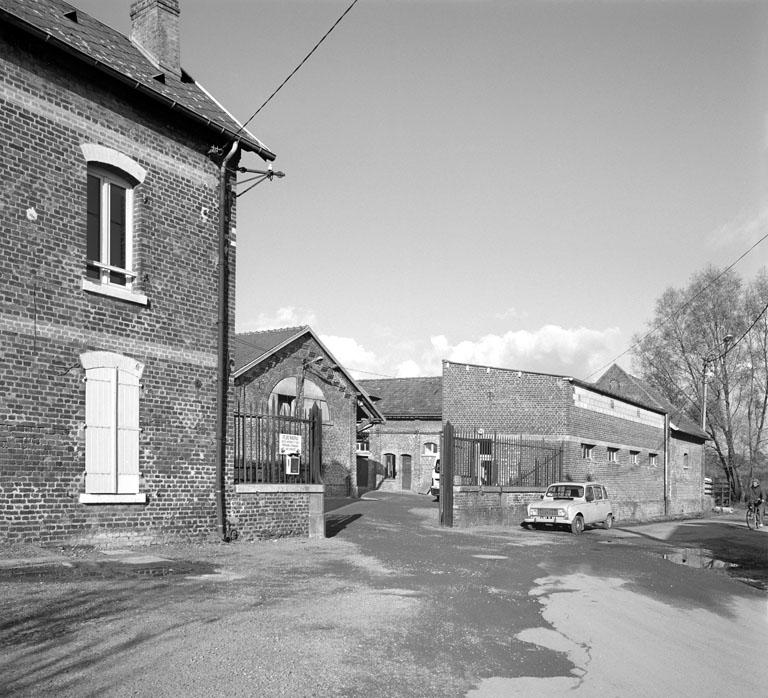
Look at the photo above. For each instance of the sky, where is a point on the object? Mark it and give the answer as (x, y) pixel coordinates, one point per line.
(501, 183)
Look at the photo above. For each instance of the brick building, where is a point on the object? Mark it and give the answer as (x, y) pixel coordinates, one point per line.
(287, 371)
(649, 458)
(405, 448)
(116, 208)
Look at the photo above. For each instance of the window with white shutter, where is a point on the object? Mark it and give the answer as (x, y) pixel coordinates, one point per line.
(111, 428)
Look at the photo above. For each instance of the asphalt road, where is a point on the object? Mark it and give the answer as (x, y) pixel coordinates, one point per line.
(390, 604)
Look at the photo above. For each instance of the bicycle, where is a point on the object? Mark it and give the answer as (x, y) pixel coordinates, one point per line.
(754, 518)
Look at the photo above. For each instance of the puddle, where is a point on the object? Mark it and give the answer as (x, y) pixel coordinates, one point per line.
(697, 557)
(746, 571)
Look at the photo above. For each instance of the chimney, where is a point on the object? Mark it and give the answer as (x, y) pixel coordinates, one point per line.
(155, 29)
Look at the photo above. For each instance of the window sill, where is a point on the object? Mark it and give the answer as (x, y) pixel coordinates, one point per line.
(139, 498)
(114, 291)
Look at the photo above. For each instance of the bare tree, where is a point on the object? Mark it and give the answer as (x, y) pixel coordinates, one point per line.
(706, 351)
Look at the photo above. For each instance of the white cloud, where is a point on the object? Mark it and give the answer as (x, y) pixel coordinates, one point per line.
(289, 316)
(745, 228)
(511, 314)
(551, 349)
(354, 357)
(408, 369)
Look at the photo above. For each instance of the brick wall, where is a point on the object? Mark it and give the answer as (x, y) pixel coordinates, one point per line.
(516, 402)
(49, 106)
(404, 437)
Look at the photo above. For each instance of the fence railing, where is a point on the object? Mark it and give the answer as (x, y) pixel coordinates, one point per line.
(273, 448)
(493, 459)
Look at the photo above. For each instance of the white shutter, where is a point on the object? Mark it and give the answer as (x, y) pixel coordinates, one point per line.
(100, 430)
(127, 432)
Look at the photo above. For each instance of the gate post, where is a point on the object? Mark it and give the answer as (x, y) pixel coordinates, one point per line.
(447, 468)
(316, 454)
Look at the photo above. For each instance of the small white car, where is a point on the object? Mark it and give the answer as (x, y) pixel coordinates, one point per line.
(573, 504)
(434, 488)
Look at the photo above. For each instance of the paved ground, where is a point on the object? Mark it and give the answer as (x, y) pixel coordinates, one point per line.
(390, 604)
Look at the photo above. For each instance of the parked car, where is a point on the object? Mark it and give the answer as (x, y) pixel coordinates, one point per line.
(434, 488)
(573, 504)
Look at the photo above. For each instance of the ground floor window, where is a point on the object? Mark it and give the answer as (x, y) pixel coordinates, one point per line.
(112, 392)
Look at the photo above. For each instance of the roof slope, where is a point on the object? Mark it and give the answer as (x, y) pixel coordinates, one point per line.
(616, 380)
(402, 398)
(251, 347)
(111, 52)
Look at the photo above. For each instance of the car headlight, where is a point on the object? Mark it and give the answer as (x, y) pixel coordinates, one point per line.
(561, 512)
(533, 512)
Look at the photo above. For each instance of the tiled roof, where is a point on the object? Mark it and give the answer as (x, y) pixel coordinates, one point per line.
(407, 397)
(617, 381)
(251, 346)
(108, 50)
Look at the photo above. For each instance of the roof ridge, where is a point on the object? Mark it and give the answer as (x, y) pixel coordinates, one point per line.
(275, 329)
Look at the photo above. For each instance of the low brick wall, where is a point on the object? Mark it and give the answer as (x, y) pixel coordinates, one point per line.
(277, 511)
(479, 506)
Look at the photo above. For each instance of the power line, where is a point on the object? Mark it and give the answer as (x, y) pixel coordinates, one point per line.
(296, 69)
(679, 309)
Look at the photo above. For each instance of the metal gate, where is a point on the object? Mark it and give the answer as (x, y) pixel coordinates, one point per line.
(447, 463)
(475, 457)
(276, 448)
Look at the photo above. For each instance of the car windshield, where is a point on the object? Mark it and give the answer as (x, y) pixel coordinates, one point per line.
(565, 491)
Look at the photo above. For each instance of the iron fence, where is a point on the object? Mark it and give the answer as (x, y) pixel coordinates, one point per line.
(493, 459)
(272, 448)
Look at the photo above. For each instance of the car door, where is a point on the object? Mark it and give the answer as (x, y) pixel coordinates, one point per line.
(590, 505)
(601, 504)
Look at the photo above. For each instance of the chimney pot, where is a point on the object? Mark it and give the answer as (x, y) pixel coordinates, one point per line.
(155, 28)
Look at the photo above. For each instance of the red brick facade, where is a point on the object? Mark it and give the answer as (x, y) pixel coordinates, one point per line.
(51, 105)
(338, 468)
(625, 440)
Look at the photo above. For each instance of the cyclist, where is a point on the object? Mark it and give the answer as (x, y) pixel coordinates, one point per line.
(756, 495)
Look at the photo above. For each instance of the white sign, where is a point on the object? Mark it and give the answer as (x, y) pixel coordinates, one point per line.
(289, 443)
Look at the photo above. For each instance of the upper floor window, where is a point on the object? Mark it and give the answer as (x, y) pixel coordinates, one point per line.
(431, 449)
(110, 228)
(633, 457)
(111, 180)
(652, 459)
(111, 428)
(613, 454)
(587, 451)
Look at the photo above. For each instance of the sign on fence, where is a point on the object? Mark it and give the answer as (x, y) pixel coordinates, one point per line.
(289, 444)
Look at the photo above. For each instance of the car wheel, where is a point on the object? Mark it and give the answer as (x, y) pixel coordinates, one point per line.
(526, 526)
(577, 525)
(608, 521)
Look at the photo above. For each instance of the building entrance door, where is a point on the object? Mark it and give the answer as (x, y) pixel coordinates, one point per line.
(406, 472)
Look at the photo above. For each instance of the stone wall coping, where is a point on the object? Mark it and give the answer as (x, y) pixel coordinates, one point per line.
(478, 488)
(278, 488)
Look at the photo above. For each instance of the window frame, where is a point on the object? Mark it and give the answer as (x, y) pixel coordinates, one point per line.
(587, 451)
(432, 452)
(634, 457)
(112, 427)
(613, 454)
(112, 168)
(653, 459)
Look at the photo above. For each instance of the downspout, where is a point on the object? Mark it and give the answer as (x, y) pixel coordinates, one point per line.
(223, 358)
(666, 464)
